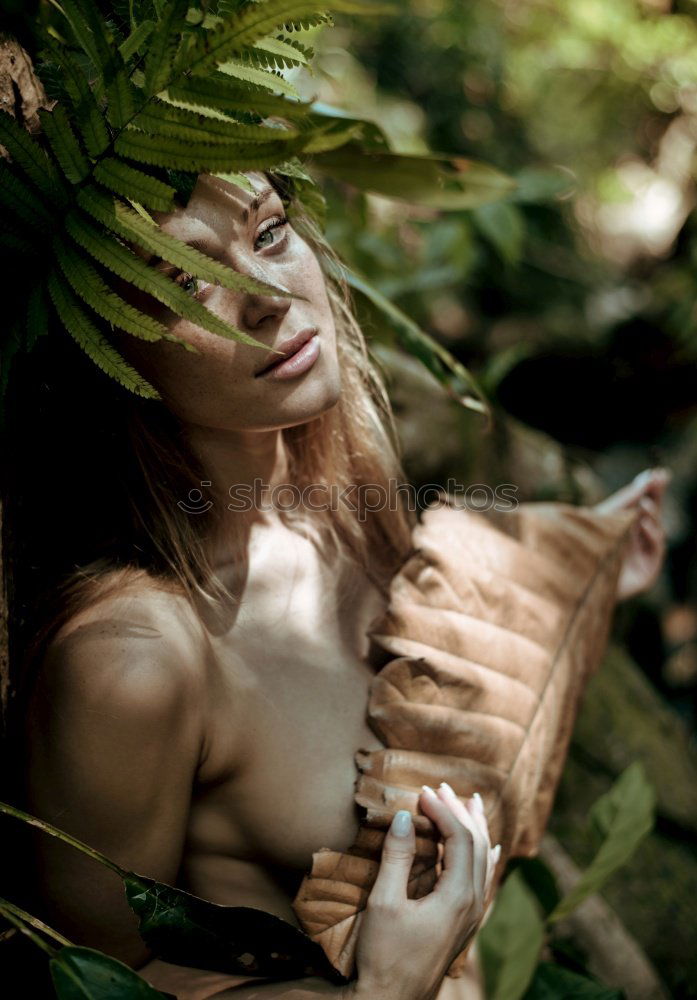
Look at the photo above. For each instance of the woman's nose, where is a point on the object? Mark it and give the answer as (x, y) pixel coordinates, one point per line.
(260, 308)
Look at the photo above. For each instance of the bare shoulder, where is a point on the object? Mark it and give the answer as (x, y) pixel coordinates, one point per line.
(140, 648)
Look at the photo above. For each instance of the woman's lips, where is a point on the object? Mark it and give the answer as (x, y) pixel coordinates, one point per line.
(303, 359)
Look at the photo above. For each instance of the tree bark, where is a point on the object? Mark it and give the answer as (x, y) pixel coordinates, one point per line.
(21, 94)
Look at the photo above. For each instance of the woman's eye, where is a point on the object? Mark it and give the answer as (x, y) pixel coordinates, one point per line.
(271, 234)
(188, 283)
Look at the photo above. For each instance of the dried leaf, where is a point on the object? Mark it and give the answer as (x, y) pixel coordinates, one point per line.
(495, 623)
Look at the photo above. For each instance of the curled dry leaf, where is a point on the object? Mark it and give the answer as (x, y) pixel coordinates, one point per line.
(494, 625)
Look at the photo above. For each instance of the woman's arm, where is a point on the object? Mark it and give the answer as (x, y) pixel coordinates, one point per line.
(113, 740)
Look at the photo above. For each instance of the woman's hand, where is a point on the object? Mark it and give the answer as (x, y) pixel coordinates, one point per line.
(405, 945)
(645, 550)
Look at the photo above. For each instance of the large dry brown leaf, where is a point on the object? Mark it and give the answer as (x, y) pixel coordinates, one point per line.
(494, 625)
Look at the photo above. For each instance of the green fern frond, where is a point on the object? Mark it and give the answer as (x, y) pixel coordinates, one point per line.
(87, 284)
(290, 53)
(121, 99)
(164, 46)
(305, 50)
(125, 223)
(93, 343)
(200, 157)
(81, 30)
(20, 201)
(253, 22)
(28, 154)
(241, 180)
(130, 182)
(220, 92)
(179, 123)
(88, 117)
(63, 141)
(135, 41)
(273, 54)
(259, 77)
(306, 23)
(133, 268)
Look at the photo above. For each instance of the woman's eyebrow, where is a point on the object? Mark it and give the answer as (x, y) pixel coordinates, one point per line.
(256, 203)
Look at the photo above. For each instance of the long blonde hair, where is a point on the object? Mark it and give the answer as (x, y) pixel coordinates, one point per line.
(144, 532)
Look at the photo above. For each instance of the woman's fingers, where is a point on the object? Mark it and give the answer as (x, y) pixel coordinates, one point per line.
(494, 857)
(649, 483)
(471, 815)
(399, 846)
(457, 877)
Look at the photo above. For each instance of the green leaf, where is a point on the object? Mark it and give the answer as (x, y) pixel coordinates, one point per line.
(553, 982)
(289, 51)
(253, 22)
(510, 941)
(88, 117)
(96, 293)
(186, 930)
(81, 30)
(132, 183)
(133, 268)
(136, 39)
(458, 382)
(536, 184)
(165, 120)
(28, 154)
(200, 157)
(221, 93)
(64, 144)
(503, 225)
(625, 815)
(85, 974)
(423, 180)
(241, 180)
(121, 98)
(164, 45)
(127, 224)
(20, 201)
(258, 77)
(93, 343)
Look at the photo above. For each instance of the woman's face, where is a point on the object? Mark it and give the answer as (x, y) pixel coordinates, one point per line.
(221, 386)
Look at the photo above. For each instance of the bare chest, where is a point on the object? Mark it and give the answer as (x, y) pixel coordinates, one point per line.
(288, 711)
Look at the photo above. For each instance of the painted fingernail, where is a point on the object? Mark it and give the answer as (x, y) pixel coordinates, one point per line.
(478, 802)
(401, 823)
(429, 791)
(446, 787)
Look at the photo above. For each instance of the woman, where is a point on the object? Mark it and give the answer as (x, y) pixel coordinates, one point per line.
(202, 687)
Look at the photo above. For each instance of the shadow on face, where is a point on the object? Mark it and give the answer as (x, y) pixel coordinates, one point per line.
(220, 386)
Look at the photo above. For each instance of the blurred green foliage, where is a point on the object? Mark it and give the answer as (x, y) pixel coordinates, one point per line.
(592, 107)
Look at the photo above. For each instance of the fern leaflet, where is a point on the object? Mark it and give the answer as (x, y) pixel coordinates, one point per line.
(63, 142)
(125, 223)
(93, 343)
(130, 182)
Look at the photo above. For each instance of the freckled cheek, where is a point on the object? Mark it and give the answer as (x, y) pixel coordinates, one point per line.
(306, 278)
(219, 363)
